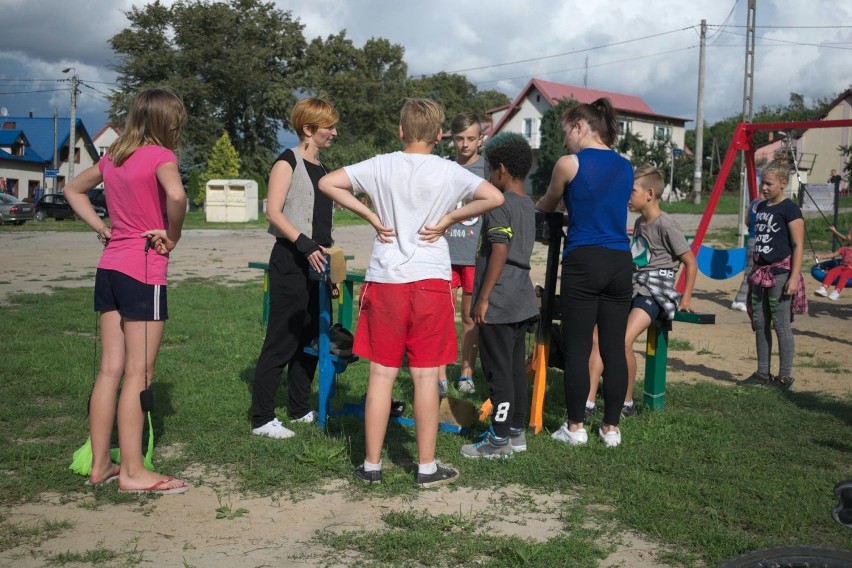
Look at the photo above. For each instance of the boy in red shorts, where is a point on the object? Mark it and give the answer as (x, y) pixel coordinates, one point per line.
(406, 300)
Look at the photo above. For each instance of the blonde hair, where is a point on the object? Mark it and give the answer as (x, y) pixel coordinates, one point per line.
(421, 120)
(780, 168)
(155, 116)
(652, 178)
(313, 113)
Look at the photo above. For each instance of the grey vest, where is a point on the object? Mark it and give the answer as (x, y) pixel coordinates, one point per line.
(299, 204)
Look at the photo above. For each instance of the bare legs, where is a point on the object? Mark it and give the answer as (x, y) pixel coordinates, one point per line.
(470, 340)
(378, 404)
(124, 355)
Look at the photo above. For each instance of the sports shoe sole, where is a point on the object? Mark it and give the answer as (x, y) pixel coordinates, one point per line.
(437, 482)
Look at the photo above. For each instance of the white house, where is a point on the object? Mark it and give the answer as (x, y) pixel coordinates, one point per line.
(524, 114)
(104, 139)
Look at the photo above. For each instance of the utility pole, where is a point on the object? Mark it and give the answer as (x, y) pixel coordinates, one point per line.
(55, 149)
(72, 142)
(699, 120)
(748, 94)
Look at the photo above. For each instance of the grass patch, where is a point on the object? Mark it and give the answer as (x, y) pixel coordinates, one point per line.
(14, 535)
(194, 220)
(680, 344)
(718, 473)
(827, 365)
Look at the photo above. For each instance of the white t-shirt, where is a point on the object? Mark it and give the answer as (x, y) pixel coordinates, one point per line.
(410, 191)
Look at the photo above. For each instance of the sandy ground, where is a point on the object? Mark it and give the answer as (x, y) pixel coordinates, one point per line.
(182, 530)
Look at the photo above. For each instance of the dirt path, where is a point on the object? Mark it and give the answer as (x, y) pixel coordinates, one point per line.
(184, 531)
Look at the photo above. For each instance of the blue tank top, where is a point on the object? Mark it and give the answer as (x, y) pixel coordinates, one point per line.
(596, 201)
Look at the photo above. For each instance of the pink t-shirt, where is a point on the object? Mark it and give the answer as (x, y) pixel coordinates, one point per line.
(845, 256)
(136, 203)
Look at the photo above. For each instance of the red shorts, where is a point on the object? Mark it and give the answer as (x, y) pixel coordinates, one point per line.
(463, 277)
(417, 318)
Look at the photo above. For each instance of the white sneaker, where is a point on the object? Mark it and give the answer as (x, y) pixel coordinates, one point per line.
(465, 384)
(443, 389)
(821, 291)
(834, 295)
(576, 438)
(306, 419)
(739, 306)
(611, 438)
(273, 429)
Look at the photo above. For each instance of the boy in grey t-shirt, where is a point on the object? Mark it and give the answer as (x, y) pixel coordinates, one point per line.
(503, 297)
(462, 239)
(658, 248)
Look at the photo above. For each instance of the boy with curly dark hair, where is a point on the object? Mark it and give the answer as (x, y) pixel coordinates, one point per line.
(503, 297)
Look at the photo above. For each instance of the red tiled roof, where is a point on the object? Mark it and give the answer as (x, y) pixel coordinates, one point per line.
(554, 92)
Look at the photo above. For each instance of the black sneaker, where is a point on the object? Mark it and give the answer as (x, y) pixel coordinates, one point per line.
(368, 477)
(628, 410)
(785, 383)
(755, 380)
(590, 413)
(442, 476)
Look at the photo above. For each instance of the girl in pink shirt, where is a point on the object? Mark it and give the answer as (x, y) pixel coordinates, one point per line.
(842, 272)
(147, 205)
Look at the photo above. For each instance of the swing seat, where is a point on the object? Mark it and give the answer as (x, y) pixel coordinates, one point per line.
(721, 264)
(820, 269)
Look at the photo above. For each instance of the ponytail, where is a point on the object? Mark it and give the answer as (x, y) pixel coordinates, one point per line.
(599, 115)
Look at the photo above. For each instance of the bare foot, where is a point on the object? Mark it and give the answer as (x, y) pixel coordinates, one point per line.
(150, 482)
(107, 476)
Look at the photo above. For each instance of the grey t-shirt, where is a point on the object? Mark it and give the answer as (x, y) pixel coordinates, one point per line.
(513, 223)
(657, 246)
(462, 237)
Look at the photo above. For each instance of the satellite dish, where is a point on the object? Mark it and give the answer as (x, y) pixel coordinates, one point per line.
(4, 112)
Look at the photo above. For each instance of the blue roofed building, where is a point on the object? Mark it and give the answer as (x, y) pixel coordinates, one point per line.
(29, 146)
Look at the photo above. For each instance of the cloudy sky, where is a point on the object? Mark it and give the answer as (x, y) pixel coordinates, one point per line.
(647, 48)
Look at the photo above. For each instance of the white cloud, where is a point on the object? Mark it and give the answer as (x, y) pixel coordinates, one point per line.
(40, 38)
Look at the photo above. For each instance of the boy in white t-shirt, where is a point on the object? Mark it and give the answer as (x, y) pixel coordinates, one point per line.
(406, 300)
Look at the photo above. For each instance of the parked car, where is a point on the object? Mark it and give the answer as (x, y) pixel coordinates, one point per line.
(13, 210)
(98, 197)
(55, 205)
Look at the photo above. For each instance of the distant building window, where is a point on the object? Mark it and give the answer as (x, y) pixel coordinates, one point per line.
(102, 150)
(662, 132)
(623, 127)
(528, 128)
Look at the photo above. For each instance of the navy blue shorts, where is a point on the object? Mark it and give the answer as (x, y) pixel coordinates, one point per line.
(133, 299)
(647, 305)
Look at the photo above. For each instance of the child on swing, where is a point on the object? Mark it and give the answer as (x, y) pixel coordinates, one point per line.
(777, 289)
(842, 272)
(147, 202)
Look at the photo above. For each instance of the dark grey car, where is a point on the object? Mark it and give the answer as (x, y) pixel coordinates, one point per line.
(15, 211)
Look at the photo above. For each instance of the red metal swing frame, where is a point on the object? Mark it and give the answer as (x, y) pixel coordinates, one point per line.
(743, 139)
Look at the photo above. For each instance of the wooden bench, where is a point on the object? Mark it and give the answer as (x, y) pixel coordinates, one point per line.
(657, 356)
(342, 313)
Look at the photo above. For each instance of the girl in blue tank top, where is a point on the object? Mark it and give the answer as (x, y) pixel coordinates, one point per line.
(595, 184)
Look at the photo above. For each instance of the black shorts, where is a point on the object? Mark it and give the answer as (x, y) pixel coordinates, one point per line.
(133, 299)
(647, 305)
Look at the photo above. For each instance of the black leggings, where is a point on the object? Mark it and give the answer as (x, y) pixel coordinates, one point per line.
(597, 290)
(293, 324)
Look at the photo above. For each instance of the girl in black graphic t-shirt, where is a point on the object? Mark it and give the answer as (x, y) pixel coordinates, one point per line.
(776, 286)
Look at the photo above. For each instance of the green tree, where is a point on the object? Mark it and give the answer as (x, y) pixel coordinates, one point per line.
(552, 145)
(224, 163)
(236, 64)
(366, 86)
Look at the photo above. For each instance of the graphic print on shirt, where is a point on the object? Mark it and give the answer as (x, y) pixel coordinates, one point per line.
(461, 233)
(641, 251)
(765, 229)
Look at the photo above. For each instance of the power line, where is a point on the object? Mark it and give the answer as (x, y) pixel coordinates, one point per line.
(26, 92)
(568, 52)
(605, 63)
(788, 27)
(725, 23)
(789, 42)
